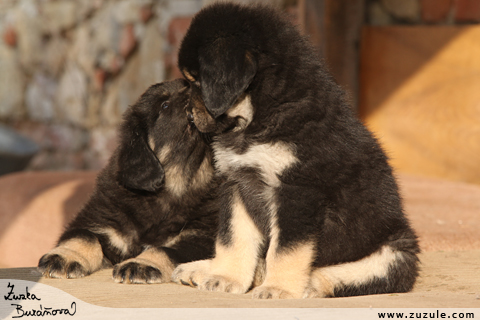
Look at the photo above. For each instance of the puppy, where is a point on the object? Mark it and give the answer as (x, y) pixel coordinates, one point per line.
(153, 206)
(308, 189)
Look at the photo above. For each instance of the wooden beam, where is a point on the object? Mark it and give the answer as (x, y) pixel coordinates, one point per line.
(334, 27)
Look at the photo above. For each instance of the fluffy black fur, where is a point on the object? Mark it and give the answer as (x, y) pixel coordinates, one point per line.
(339, 194)
(137, 208)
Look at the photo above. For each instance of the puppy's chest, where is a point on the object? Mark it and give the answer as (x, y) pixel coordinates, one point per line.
(270, 159)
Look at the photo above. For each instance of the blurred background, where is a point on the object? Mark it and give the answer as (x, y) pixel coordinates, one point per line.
(69, 69)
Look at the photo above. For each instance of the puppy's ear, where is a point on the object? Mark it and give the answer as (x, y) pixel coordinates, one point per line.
(226, 71)
(138, 167)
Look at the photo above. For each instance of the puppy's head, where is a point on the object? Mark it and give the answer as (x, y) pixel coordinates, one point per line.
(219, 62)
(155, 137)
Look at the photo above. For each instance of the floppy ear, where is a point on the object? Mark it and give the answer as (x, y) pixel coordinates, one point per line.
(226, 71)
(138, 167)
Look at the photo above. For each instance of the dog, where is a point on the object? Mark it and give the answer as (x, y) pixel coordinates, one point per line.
(154, 204)
(310, 203)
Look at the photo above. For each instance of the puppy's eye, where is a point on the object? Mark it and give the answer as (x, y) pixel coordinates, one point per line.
(165, 105)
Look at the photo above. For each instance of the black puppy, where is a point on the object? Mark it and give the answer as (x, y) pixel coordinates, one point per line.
(308, 188)
(153, 206)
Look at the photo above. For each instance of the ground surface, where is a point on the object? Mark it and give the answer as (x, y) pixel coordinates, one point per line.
(446, 216)
(448, 280)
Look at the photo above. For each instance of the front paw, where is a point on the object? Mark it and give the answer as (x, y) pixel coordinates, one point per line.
(217, 283)
(192, 273)
(311, 292)
(197, 274)
(132, 271)
(270, 292)
(56, 266)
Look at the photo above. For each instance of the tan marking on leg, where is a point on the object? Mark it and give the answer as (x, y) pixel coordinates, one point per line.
(154, 258)
(288, 272)
(376, 265)
(185, 234)
(116, 239)
(158, 259)
(260, 273)
(287, 269)
(245, 243)
(232, 269)
(319, 286)
(88, 254)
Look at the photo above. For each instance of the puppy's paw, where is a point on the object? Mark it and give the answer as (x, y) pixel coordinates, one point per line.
(319, 286)
(136, 272)
(221, 284)
(197, 274)
(56, 266)
(311, 292)
(192, 273)
(270, 292)
(74, 258)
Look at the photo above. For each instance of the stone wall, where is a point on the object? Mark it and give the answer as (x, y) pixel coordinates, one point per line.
(69, 69)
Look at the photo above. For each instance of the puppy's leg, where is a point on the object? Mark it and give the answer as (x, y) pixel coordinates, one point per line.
(156, 263)
(151, 266)
(236, 254)
(287, 269)
(74, 257)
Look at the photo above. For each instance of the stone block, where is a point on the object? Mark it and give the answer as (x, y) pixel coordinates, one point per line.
(65, 137)
(103, 37)
(146, 13)
(127, 40)
(59, 15)
(58, 160)
(129, 88)
(12, 84)
(54, 137)
(28, 25)
(10, 36)
(40, 97)
(83, 49)
(151, 53)
(102, 143)
(54, 55)
(109, 110)
(176, 31)
(143, 69)
(71, 98)
(99, 79)
(128, 11)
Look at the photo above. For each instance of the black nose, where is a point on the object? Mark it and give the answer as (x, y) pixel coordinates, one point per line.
(190, 116)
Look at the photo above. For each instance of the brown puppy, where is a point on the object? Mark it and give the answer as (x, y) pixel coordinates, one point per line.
(153, 206)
